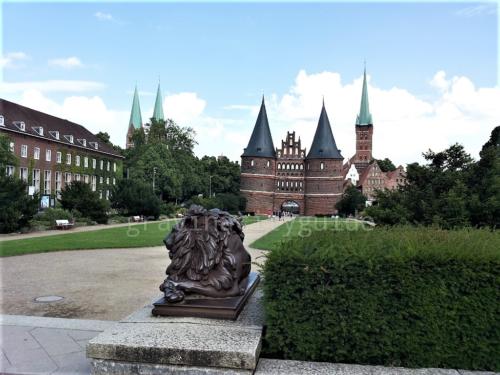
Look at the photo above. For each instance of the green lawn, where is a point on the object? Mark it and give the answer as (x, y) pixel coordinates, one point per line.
(302, 226)
(136, 235)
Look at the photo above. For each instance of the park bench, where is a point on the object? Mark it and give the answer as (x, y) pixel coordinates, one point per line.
(63, 224)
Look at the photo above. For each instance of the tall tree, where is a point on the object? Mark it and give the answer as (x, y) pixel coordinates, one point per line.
(386, 165)
(353, 201)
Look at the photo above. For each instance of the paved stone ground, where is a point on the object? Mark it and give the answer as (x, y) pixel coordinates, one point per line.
(105, 284)
(34, 345)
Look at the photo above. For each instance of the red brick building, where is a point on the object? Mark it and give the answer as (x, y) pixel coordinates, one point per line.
(289, 178)
(310, 183)
(52, 152)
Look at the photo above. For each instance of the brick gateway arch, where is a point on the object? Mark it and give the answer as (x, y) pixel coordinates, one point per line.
(290, 206)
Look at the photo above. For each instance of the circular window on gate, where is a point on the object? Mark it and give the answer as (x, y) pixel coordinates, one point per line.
(291, 206)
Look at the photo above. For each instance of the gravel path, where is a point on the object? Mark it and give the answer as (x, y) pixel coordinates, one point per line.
(104, 284)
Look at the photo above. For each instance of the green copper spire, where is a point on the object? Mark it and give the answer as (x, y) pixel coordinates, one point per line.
(158, 112)
(135, 114)
(364, 117)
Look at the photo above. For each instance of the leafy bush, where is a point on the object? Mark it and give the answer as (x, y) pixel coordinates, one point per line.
(50, 215)
(79, 196)
(17, 208)
(414, 297)
(134, 197)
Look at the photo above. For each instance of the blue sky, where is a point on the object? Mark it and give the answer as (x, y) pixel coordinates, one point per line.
(226, 55)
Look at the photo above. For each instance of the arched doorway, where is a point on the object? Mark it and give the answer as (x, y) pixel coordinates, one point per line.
(290, 206)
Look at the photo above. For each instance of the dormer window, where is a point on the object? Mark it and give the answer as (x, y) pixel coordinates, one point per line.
(54, 134)
(2, 121)
(83, 142)
(94, 145)
(20, 125)
(38, 130)
(69, 138)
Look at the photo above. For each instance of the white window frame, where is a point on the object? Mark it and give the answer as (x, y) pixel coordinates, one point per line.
(48, 154)
(68, 158)
(12, 146)
(23, 174)
(58, 182)
(67, 178)
(36, 179)
(47, 180)
(2, 120)
(114, 167)
(58, 157)
(54, 134)
(24, 151)
(36, 153)
(101, 165)
(10, 170)
(94, 163)
(85, 162)
(108, 166)
(77, 160)
(94, 183)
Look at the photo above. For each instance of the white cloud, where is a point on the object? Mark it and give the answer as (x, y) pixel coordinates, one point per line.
(12, 59)
(183, 107)
(50, 86)
(103, 16)
(478, 10)
(67, 63)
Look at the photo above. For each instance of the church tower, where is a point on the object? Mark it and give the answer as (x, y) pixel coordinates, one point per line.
(364, 131)
(135, 121)
(258, 167)
(324, 181)
(158, 111)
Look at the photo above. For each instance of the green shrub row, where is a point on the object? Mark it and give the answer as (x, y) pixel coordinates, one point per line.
(413, 297)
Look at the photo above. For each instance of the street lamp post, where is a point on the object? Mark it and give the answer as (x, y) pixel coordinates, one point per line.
(154, 174)
(210, 187)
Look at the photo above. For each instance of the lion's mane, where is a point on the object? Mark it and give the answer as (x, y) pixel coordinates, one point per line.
(198, 248)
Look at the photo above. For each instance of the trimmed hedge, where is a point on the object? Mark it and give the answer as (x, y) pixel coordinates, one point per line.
(413, 297)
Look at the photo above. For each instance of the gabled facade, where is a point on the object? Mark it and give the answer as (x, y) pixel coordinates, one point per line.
(288, 178)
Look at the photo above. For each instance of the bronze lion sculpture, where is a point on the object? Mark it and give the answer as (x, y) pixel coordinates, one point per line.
(207, 256)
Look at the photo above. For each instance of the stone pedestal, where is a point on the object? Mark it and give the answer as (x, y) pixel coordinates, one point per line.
(145, 344)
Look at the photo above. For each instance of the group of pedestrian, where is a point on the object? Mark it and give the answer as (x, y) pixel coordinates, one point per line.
(281, 215)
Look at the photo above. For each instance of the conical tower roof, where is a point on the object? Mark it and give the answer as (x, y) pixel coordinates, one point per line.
(261, 141)
(135, 114)
(158, 111)
(323, 145)
(364, 117)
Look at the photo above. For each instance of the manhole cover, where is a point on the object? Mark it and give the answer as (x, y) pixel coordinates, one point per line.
(48, 299)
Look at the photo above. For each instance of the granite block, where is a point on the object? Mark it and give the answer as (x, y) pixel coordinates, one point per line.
(101, 367)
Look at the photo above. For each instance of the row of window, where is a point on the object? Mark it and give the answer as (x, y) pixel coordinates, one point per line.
(289, 166)
(289, 151)
(282, 184)
(21, 125)
(58, 178)
(68, 161)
